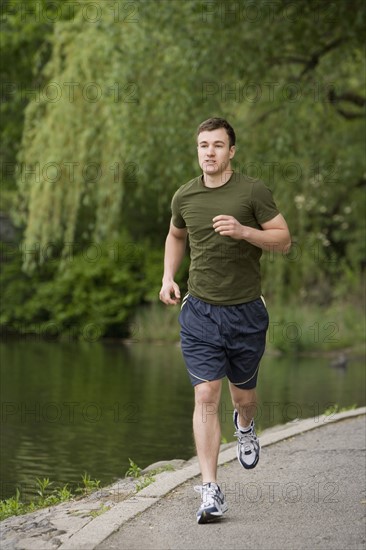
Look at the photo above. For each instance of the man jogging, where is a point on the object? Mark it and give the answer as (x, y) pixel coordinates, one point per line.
(229, 219)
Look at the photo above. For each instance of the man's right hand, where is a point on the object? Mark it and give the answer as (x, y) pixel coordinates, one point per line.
(170, 293)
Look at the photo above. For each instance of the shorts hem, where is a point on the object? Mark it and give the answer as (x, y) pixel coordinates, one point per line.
(196, 380)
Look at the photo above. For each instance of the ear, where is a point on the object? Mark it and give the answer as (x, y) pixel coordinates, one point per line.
(232, 151)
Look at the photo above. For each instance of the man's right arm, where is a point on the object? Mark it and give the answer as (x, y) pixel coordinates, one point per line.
(175, 246)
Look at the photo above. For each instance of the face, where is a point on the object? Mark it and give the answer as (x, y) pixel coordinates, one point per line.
(214, 152)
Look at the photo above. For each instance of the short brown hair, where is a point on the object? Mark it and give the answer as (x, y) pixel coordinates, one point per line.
(214, 124)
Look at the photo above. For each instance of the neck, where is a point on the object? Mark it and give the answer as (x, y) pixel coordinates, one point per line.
(218, 179)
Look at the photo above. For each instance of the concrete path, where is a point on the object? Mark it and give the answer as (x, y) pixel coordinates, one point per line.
(308, 491)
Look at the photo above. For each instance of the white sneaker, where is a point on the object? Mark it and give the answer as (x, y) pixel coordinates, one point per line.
(213, 503)
(248, 448)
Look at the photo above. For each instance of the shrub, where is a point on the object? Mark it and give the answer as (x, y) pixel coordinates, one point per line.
(88, 295)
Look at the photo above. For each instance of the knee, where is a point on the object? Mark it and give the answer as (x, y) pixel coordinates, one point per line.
(207, 392)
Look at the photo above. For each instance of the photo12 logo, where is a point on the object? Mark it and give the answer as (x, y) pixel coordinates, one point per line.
(271, 11)
(70, 92)
(89, 12)
(253, 92)
(72, 412)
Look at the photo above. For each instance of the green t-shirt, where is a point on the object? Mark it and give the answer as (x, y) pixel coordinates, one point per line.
(223, 271)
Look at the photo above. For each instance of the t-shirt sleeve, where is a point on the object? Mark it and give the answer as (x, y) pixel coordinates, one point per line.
(264, 206)
(177, 218)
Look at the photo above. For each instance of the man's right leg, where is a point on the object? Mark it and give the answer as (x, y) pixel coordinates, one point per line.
(205, 359)
(206, 427)
(207, 434)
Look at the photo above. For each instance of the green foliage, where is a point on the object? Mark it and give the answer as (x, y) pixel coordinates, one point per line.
(315, 328)
(63, 493)
(14, 507)
(89, 485)
(42, 486)
(11, 506)
(111, 150)
(133, 470)
(156, 322)
(26, 30)
(101, 510)
(145, 480)
(330, 411)
(91, 295)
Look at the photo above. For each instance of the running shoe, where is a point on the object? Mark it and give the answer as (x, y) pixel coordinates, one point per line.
(248, 448)
(213, 503)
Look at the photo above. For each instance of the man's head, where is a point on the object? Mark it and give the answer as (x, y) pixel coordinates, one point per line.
(216, 147)
(216, 123)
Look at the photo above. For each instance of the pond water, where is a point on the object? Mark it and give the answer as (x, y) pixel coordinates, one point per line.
(71, 408)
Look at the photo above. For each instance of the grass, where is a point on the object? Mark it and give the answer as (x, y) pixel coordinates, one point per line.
(337, 409)
(144, 480)
(46, 497)
(133, 470)
(157, 322)
(310, 328)
(101, 510)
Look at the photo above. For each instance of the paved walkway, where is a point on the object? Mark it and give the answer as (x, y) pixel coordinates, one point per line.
(307, 492)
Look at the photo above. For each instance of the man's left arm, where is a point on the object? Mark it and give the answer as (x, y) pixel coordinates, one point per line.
(274, 235)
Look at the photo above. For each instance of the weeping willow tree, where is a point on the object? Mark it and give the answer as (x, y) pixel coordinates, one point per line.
(74, 146)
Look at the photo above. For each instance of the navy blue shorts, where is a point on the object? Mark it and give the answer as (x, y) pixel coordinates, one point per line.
(219, 341)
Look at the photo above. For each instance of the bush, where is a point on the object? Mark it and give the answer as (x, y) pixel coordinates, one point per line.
(90, 295)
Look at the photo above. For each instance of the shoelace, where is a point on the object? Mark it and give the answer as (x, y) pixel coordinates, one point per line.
(208, 494)
(246, 439)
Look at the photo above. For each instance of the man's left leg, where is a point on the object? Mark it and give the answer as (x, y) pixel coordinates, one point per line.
(245, 403)
(245, 338)
(245, 407)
